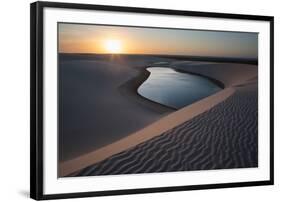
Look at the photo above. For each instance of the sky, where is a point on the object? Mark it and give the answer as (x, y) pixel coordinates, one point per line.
(103, 39)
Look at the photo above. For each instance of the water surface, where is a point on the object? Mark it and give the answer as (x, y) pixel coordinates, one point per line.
(175, 89)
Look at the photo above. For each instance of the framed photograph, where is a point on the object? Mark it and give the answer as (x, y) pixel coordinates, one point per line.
(131, 100)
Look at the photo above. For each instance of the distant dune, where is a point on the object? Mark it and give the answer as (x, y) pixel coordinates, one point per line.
(253, 61)
(218, 132)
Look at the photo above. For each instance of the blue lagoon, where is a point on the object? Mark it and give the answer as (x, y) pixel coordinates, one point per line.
(175, 89)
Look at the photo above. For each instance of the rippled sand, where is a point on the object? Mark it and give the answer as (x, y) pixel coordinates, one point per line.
(224, 137)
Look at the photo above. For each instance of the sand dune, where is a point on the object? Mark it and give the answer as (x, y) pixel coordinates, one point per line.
(213, 135)
(93, 97)
(147, 133)
(220, 138)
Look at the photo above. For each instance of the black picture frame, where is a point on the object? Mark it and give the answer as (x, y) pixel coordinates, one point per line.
(36, 98)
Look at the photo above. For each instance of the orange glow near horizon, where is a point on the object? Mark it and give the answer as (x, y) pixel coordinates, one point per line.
(102, 39)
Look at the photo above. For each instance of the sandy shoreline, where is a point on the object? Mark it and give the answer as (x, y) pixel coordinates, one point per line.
(129, 89)
(233, 76)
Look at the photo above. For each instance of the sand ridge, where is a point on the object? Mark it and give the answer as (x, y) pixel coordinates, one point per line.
(153, 130)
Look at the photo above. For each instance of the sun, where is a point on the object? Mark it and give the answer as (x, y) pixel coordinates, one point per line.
(113, 46)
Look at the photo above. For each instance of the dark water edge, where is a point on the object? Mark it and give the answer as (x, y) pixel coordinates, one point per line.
(130, 88)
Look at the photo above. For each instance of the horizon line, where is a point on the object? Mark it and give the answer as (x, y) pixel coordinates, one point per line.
(206, 56)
